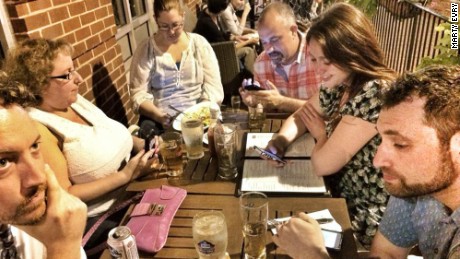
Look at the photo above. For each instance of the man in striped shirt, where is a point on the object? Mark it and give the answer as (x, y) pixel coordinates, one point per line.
(284, 68)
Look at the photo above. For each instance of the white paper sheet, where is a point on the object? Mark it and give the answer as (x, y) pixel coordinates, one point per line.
(295, 176)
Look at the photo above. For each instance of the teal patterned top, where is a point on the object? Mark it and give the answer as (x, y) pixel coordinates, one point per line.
(359, 182)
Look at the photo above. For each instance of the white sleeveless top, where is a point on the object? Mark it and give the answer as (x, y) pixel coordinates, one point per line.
(92, 152)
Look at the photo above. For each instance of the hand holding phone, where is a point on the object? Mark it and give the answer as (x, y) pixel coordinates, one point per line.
(251, 85)
(269, 155)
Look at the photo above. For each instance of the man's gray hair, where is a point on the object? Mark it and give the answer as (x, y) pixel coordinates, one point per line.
(279, 9)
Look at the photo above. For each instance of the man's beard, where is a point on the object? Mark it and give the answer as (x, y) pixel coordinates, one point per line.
(444, 177)
(23, 210)
(276, 57)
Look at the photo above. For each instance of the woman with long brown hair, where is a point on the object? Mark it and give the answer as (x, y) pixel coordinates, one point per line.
(342, 116)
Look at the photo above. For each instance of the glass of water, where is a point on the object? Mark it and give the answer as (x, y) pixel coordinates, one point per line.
(192, 133)
(236, 103)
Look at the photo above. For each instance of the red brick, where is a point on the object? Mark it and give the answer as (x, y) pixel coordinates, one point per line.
(37, 21)
(87, 18)
(85, 58)
(110, 10)
(97, 27)
(93, 41)
(91, 5)
(19, 25)
(32, 35)
(70, 38)
(109, 21)
(60, 2)
(71, 24)
(17, 10)
(77, 8)
(39, 5)
(83, 33)
(53, 31)
(104, 2)
(101, 13)
(79, 48)
(99, 50)
(59, 14)
(109, 55)
(85, 70)
(106, 35)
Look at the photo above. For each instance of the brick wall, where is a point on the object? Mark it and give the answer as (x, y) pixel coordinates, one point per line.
(90, 27)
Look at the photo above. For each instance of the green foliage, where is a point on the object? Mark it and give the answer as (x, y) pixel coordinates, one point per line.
(446, 55)
(369, 7)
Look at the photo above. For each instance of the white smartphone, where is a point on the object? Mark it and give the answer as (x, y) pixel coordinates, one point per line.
(332, 239)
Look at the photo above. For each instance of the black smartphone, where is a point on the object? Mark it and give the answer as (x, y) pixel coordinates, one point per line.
(332, 239)
(253, 88)
(147, 132)
(270, 155)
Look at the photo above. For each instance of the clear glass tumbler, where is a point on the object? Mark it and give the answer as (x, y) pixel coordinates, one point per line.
(210, 234)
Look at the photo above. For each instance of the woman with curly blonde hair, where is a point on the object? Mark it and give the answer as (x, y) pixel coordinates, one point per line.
(88, 151)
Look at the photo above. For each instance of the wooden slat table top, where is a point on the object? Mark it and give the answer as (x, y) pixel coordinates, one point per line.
(205, 191)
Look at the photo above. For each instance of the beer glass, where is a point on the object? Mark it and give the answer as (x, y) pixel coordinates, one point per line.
(192, 132)
(254, 212)
(225, 145)
(210, 234)
(171, 152)
(236, 103)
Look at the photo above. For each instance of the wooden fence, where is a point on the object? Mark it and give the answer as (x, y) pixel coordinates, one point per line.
(406, 33)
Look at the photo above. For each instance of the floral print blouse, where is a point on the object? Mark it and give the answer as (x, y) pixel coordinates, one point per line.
(359, 182)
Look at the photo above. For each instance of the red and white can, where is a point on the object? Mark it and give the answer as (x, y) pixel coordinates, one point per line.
(122, 244)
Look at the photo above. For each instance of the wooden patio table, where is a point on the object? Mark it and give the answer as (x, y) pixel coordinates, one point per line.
(205, 191)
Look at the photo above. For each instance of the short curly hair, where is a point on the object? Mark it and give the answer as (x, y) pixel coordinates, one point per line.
(13, 92)
(31, 63)
(439, 86)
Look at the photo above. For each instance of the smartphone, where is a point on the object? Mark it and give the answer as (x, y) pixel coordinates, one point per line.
(332, 239)
(270, 155)
(149, 143)
(253, 88)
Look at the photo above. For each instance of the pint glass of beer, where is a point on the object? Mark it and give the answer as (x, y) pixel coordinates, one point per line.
(254, 212)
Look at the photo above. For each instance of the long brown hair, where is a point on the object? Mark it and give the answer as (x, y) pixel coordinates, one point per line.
(347, 39)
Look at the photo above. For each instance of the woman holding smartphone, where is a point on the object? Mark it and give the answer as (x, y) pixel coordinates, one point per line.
(342, 116)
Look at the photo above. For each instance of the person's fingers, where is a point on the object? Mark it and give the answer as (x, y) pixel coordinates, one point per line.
(53, 184)
(270, 85)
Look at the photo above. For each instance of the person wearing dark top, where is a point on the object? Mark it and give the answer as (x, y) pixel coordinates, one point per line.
(208, 25)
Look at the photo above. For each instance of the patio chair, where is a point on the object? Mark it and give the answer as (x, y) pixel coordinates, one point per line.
(229, 66)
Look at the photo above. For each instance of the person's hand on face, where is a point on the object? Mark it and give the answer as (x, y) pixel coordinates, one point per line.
(312, 120)
(65, 217)
(301, 237)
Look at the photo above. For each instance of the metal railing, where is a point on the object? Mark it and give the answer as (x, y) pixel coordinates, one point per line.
(406, 33)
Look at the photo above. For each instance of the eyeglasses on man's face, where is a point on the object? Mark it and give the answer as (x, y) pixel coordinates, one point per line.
(66, 76)
(170, 27)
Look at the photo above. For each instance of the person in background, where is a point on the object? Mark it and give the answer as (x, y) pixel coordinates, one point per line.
(46, 221)
(420, 160)
(209, 26)
(231, 23)
(173, 67)
(283, 70)
(89, 152)
(342, 116)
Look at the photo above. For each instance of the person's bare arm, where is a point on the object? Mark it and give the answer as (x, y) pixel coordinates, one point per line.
(382, 248)
(53, 155)
(150, 110)
(62, 228)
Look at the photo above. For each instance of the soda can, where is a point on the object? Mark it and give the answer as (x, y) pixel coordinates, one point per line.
(122, 244)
